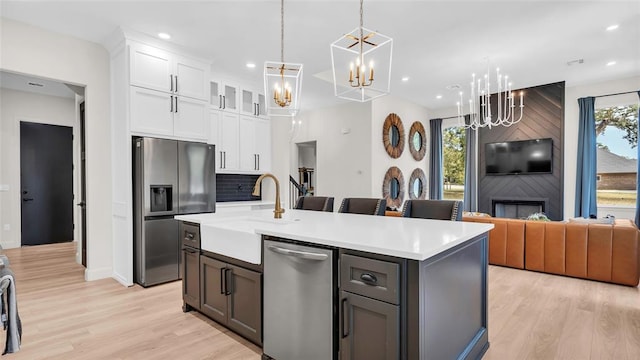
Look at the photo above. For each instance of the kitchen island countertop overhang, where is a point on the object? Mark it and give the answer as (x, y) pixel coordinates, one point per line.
(415, 239)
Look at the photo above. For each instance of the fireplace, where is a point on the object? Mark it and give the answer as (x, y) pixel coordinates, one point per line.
(517, 208)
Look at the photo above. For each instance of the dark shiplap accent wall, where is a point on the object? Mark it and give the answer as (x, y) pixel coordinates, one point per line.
(543, 118)
(234, 187)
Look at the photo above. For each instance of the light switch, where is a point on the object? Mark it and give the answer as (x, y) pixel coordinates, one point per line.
(4, 187)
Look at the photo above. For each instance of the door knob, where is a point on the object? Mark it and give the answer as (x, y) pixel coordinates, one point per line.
(27, 199)
(82, 203)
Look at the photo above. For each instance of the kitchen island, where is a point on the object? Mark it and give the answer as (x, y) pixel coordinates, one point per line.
(400, 287)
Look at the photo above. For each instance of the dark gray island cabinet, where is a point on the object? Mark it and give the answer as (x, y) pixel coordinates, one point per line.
(390, 307)
(345, 286)
(226, 290)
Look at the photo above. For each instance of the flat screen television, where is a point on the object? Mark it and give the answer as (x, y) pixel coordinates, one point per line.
(519, 157)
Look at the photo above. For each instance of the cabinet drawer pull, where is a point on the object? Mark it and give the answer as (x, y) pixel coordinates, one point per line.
(176, 104)
(223, 277)
(171, 81)
(224, 102)
(219, 101)
(369, 279)
(345, 318)
(176, 76)
(190, 250)
(171, 102)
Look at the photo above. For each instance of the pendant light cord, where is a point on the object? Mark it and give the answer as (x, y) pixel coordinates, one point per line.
(361, 34)
(282, 31)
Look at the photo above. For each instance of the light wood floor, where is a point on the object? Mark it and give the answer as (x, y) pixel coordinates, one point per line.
(531, 316)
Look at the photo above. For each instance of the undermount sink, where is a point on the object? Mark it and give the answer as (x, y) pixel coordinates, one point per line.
(236, 237)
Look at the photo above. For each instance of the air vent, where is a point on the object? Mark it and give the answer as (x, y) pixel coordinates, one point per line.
(35, 84)
(575, 62)
(453, 87)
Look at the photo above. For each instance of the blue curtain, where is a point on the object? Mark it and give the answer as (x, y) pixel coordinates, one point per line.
(435, 163)
(586, 169)
(638, 172)
(470, 168)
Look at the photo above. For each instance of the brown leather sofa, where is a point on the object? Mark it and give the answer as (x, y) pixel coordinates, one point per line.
(600, 252)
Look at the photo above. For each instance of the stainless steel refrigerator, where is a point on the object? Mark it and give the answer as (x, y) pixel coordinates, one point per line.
(170, 178)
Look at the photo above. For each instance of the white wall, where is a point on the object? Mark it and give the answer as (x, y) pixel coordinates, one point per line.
(17, 106)
(571, 113)
(343, 144)
(380, 160)
(30, 50)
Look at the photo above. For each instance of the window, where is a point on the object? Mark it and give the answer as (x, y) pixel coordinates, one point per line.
(617, 141)
(453, 153)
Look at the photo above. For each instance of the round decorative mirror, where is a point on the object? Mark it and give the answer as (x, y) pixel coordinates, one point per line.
(417, 141)
(393, 187)
(417, 185)
(393, 135)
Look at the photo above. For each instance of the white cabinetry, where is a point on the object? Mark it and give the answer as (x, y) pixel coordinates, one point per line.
(156, 69)
(168, 94)
(255, 144)
(225, 135)
(253, 103)
(224, 96)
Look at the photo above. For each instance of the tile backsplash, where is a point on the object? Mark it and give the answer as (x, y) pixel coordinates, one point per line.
(234, 187)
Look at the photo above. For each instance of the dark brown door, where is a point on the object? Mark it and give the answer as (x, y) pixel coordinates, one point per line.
(245, 294)
(191, 277)
(83, 188)
(213, 292)
(46, 180)
(369, 329)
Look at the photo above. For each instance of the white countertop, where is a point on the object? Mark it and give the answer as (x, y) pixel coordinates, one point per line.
(416, 239)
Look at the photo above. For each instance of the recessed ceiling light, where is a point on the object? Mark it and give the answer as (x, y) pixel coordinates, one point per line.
(438, 97)
(611, 63)
(164, 36)
(251, 65)
(612, 27)
(405, 78)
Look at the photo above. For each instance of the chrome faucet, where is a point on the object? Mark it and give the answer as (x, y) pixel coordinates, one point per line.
(277, 213)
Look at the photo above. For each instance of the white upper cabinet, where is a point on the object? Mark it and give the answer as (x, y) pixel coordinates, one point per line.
(253, 103)
(157, 69)
(224, 96)
(168, 94)
(157, 113)
(151, 111)
(255, 144)
(191, 118)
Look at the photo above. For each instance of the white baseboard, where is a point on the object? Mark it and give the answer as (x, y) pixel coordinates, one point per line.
(97, 274)
(121, 280)
(10, 244)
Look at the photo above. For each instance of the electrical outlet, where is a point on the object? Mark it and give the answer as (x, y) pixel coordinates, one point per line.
(7, 227)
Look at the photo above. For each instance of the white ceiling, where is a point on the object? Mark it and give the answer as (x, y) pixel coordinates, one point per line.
(436, 43)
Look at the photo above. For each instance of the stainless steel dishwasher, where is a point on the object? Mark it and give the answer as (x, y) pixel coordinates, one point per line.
(300, 292)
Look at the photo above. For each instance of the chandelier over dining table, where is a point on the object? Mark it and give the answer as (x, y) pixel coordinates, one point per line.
(480, 109)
